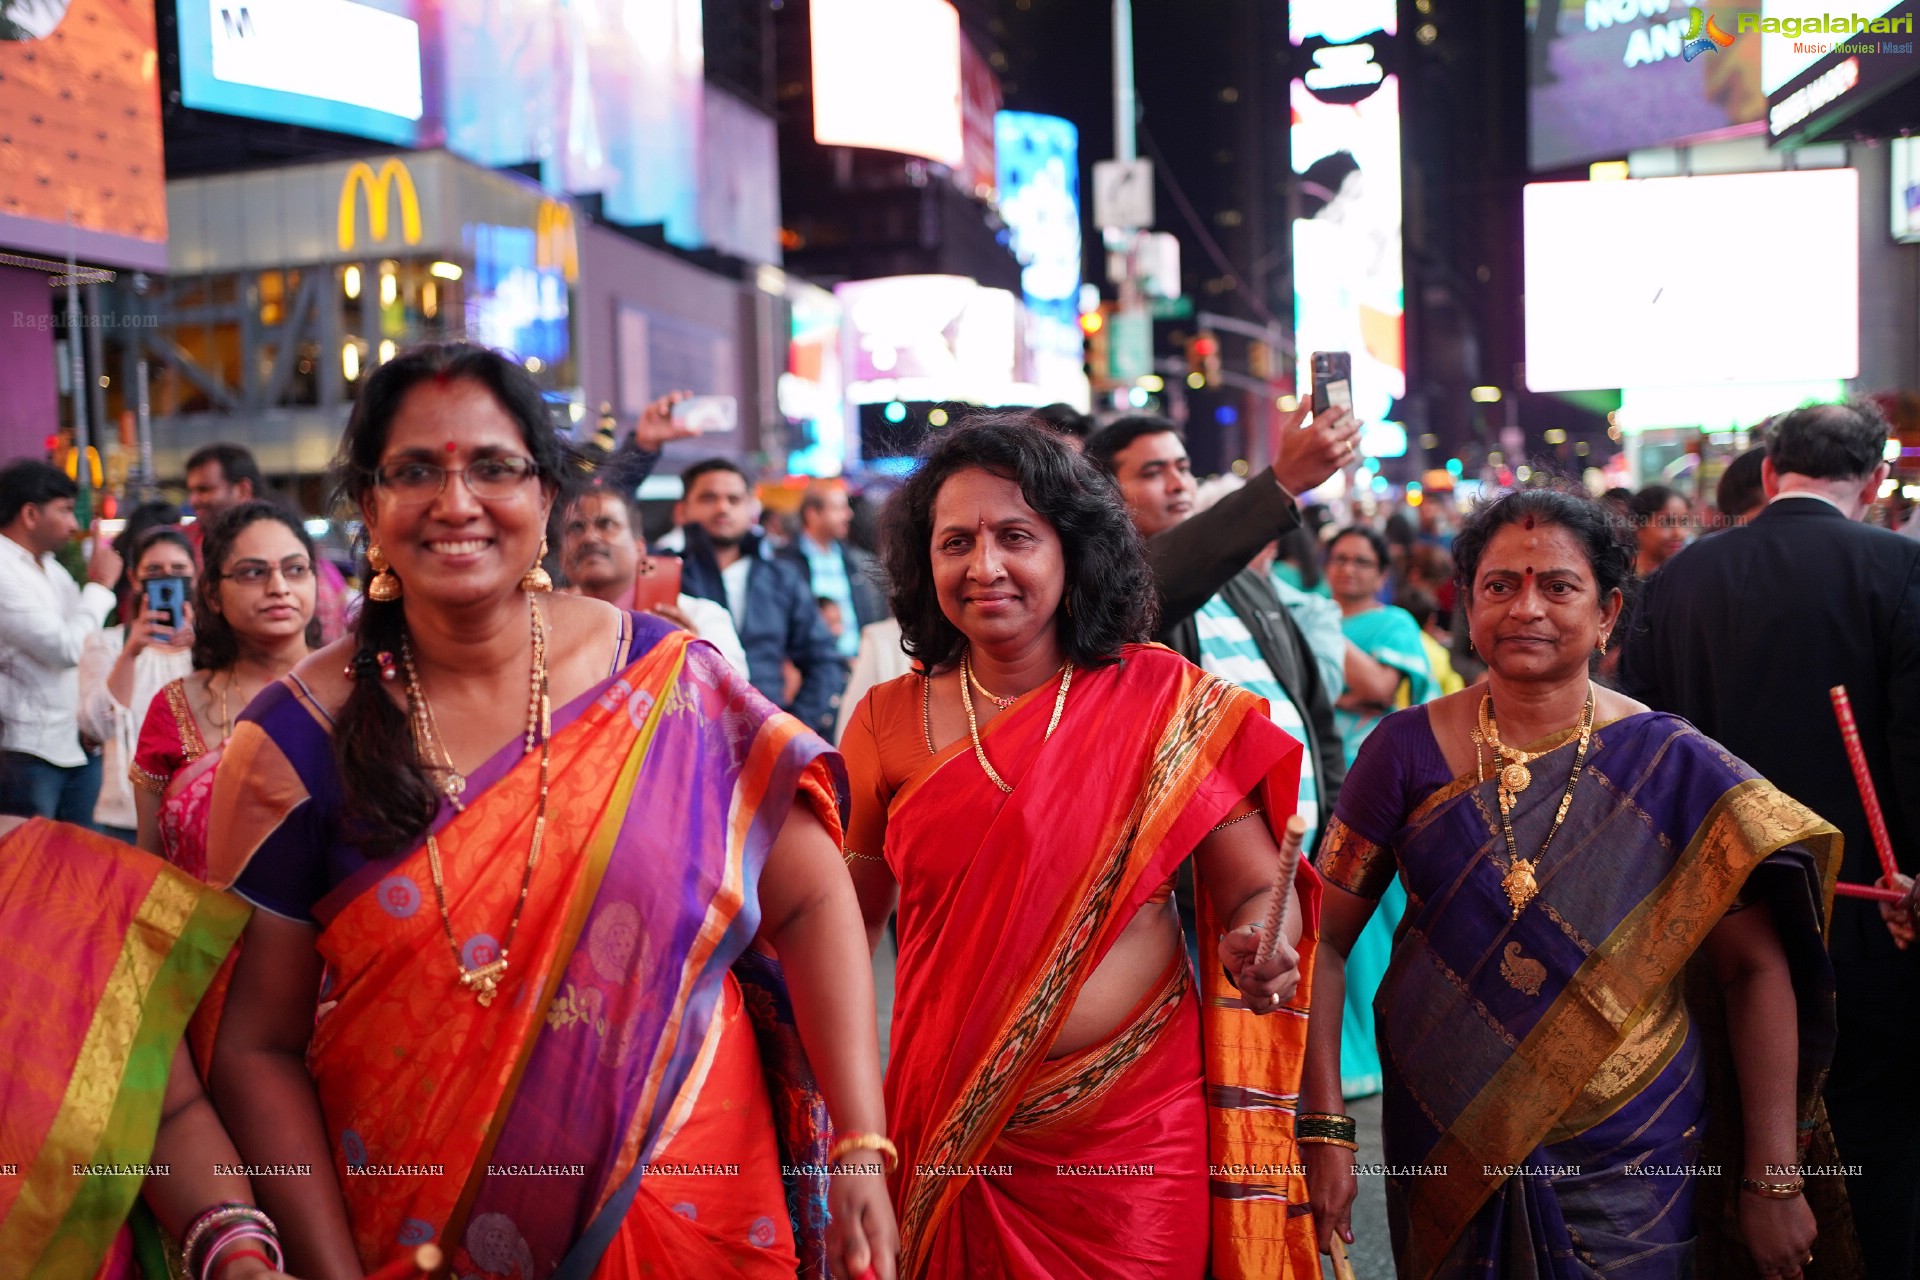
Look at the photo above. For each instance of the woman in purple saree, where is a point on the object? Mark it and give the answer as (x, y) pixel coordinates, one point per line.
(1609, 1009)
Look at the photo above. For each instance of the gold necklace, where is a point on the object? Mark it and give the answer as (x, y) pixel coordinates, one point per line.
(427, 741)
(484, 979)
(1520, 884)
(973, 723)
(1514, 775)
(988, 694)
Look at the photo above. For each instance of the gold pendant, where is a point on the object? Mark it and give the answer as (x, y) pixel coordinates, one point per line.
(485, 980)
(1520, 885)
(1516, 778)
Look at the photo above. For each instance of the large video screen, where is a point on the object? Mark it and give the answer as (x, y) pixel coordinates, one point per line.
(1038, 173)
(932, 339)
(886, 75)
(80, 135)
(607, 97)
(1751, 277)
(1605, 77)
(1349, 288)
(352, 66)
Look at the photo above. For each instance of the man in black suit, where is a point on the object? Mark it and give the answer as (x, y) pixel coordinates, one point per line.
(1746, 632)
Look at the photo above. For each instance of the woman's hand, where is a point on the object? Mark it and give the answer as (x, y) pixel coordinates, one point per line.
(863, 1243)
(1899, 916)
(1264, 986)
(672, 613)
(150, 631)
(1331, 1187)
(1779, 1233)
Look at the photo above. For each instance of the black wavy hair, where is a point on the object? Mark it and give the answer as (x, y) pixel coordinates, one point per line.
(1110, 596)
(1375, 539)
(389, 798)
(215, 644)
(1600, 528)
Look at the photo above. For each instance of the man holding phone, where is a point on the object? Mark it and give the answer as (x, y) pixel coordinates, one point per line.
(45, 619)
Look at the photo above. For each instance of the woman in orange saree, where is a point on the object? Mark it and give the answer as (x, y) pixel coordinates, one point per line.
(572, 886)
(1067, 1099)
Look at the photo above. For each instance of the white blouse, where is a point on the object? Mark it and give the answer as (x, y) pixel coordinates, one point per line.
(115, 727)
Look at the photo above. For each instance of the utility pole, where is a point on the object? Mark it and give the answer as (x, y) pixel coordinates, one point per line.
(83, 471)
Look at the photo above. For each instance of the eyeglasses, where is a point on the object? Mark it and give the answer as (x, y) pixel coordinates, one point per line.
(1352, 562)
(255, 573)
(489, 479)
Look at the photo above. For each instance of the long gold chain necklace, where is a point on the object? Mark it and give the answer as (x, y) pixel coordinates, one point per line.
(1520, 884)
(973, 723)
(427, 742)
(484, 979)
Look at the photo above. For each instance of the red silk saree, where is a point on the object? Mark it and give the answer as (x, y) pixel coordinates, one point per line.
(1166, 1148)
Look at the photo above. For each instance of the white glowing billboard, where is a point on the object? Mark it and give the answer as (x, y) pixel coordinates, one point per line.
(1349, 289)
(886, 75)
(932, 339)
(1751, 277)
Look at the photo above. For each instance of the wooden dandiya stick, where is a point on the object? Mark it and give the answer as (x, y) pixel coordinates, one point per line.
(423, 1261)
(1872, 892)
(1342, 1265)
(1857, 757)
(1296, 834)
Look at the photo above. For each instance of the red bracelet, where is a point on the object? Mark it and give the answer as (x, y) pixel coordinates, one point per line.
(237, 1254)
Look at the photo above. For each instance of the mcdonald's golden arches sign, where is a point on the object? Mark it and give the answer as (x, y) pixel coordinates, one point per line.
(379, 188)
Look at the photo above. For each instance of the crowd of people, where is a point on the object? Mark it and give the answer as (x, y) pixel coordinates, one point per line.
(522, 903)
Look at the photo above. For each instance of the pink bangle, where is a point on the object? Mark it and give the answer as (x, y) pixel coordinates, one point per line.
(234, 1235)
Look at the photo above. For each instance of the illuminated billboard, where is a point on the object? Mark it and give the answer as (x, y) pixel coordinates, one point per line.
(1905, 167)
(1760, 284)
(812, 390)
(886, 75)
(1038, 174)
(609, 98)
(1349, 289)
(80, 135)
(352, 66)
(1605, 77)
(933, 339)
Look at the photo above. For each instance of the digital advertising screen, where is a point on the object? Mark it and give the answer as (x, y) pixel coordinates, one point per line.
(886, 75)
(515, 301)
(1605, 77)
(1038, 174)
(1905, 160)
(932, 339)
(89, 176)
(351, 66)
(607, 97)
(1761, 282)
(812, 390)
(1349, 283)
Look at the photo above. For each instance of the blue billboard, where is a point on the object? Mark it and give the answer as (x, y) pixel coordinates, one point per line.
(1037, 168)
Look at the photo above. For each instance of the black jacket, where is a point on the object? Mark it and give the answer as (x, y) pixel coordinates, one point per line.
(1195, 558)
(781, 623)
(1745, 632)
(863, 575)
(1278, 638)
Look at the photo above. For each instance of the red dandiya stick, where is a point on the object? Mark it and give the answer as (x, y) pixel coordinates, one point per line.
(424, 1260)
(1283, 885)
(1857, 757)
(1872, 892)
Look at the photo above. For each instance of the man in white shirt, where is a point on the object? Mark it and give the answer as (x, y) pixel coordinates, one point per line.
(45, 619)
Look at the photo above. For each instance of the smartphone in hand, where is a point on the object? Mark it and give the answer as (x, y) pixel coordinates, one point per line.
(166, 601)
(1332, 381)
(708, 414)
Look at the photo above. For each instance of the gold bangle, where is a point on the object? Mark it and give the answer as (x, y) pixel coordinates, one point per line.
(1773, 1190)
(849, 857)
(865, 1142)
(1251, 813)
(1309, 1141)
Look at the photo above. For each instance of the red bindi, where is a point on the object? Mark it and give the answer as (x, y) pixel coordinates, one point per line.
(450, 446)
(1529, 522)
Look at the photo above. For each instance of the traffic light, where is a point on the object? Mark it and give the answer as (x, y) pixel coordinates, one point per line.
(1094, 325)
(1203, 358)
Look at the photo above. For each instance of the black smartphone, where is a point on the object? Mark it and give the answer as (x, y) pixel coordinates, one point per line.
(166, 600)
(1332, 381)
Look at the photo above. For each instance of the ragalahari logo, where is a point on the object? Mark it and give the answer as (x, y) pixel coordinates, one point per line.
(1703, 34)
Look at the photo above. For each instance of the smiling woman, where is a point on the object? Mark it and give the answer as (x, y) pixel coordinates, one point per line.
(550, 852)
(1565, 850)
(1027, 797)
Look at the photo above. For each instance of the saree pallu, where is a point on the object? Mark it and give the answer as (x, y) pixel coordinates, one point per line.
(1106, 1161)
(522, 1136)
(1547, 1077)
(108, 951)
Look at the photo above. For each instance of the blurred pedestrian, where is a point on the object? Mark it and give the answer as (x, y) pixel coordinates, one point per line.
(1741, 495)
(1662, 519)
(125, 665)
(1745, 635)
(836, 569)
(45, 621)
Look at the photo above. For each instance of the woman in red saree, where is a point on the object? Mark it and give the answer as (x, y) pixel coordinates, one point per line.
(1067, 1098)
(572, 887)
(255, 605)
